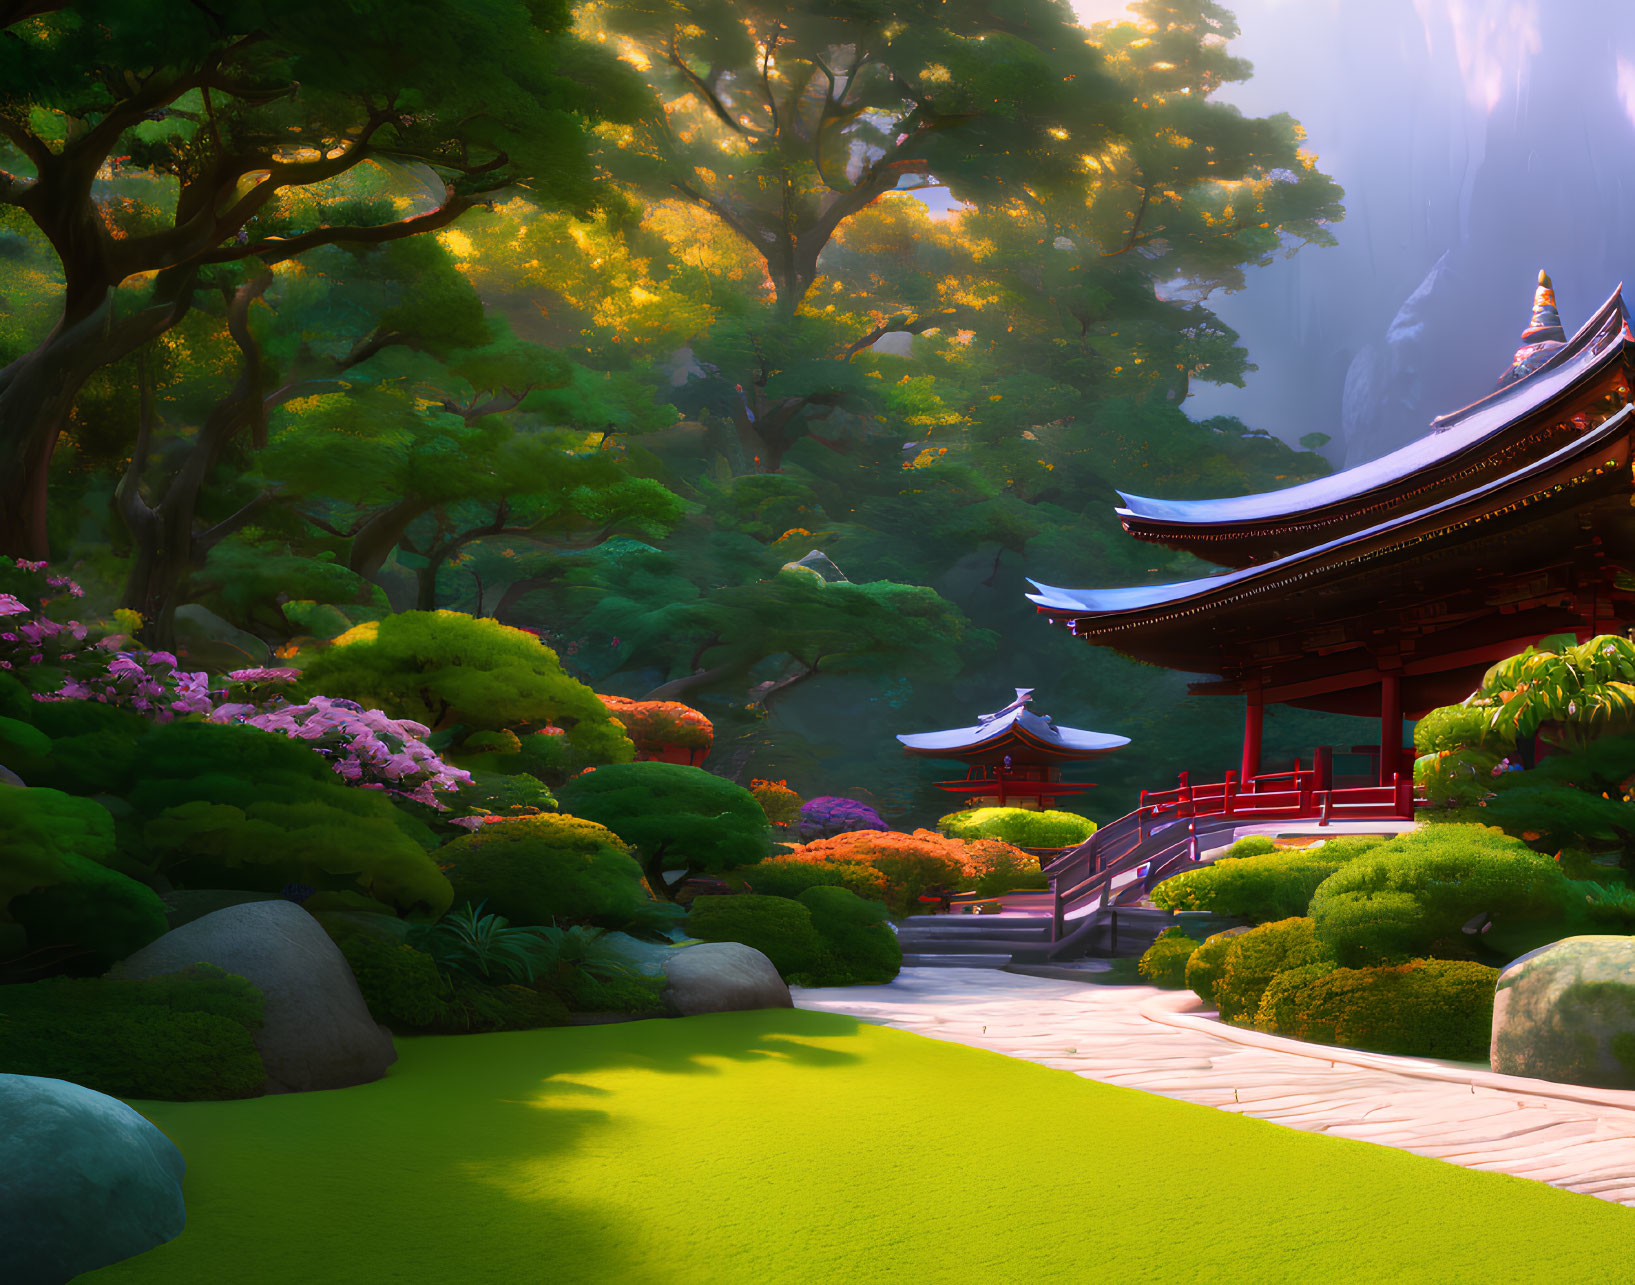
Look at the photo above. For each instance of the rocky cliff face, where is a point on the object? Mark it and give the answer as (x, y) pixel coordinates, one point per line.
(1477, 144)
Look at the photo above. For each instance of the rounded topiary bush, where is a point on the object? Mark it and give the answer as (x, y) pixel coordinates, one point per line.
(859, 947)
(1255, 957)
(78, 915)
(779, 928)
(1424, 1008)
(1024, 827)
(186, 1037)
(827, 815)
(1165, 961)
(1205, 965)
(1261, 887)
(401, 985)
(545, 869)
(778, 878)
(1413, 897)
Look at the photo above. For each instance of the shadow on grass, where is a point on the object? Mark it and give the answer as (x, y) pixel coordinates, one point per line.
(450, 1167)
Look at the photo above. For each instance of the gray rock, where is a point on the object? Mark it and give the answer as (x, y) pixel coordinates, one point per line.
(317, 1032)
(1566, 1012)
(722, 977)
(646, 957)
(8, 777)
(84, 1181)
(184, 905)
(204, 638)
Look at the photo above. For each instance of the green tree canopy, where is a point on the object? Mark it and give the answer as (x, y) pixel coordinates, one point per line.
(673, 818)
(443, 669)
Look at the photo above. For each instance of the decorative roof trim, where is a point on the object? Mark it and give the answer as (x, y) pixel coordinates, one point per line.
(1596, 346)
(1120, 609)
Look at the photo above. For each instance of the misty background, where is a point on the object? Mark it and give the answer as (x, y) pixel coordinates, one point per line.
(1477, 141)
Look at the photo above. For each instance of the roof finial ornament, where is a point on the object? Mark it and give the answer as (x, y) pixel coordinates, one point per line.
(1543, 337)
(1023, 696)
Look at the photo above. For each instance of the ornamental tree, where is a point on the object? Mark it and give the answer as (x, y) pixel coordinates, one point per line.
(673, 817)
(445, 670)
(243, 114)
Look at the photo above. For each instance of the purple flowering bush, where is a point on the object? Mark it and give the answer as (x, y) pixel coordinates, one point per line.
(828, 815)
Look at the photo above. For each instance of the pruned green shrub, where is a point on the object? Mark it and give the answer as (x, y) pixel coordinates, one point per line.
(1457, 727)
(1205, 965)
(79, 915)
(232, 806)
(779, 928)
(1262, 887)
(547, 868)
(1414, 896)
(1255, 957)
(1252, 845)
(859, 947)
(1456, 778)
(1025, 827)
(401, 985)
(1423, 1008)
(185, 1037)
(1165, 961)
(777, 878)
(1278, 1013)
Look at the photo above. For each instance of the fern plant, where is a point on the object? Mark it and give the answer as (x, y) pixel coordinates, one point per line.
(482, 946)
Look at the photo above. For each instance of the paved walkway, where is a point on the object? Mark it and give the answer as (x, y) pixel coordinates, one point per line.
(1578, 1138)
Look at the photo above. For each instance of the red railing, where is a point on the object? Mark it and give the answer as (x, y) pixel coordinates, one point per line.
(1284, 796)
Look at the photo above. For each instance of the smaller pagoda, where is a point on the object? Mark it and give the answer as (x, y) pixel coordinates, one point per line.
(1014, 756)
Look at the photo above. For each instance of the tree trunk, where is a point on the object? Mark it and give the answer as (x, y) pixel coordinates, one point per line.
(37, 392)
(163, 557)
(377, 537)
(425, 579)
(678, 687)
(653, 868)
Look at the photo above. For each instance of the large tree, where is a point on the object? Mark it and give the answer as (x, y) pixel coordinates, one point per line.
(249, 112)
(785, 121)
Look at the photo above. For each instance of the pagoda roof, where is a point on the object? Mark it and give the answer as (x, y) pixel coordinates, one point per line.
(1127, 612)
(1019, 726)
(1600, 342)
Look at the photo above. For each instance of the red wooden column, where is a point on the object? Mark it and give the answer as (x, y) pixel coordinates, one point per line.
(1390, 726)
(1253, 716)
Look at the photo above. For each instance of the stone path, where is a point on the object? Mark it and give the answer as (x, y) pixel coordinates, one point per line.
(1578, 1138)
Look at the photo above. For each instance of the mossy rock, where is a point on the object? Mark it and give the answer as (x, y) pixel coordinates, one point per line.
(1566, 1012)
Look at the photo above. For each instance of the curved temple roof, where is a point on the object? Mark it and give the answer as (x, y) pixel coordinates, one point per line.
(1070, 740)
(1112, 602)
(1605, 333)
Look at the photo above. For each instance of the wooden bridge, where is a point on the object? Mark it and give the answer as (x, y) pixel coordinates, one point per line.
(1094, 905)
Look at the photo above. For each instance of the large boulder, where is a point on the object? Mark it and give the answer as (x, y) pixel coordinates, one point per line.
(316, 1031)
(722, 977)
(1566, 1012)
(84, 1181)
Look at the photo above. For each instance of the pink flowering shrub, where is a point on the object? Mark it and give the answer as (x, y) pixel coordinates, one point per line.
(364, 746)
(148, 682)
(29, 636)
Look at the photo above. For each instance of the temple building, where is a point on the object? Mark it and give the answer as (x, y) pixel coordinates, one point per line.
(1387, 589)
(1014, 757)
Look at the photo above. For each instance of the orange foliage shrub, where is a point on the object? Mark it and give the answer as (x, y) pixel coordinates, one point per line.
(777, 800)
(914, 864)
(652, 725)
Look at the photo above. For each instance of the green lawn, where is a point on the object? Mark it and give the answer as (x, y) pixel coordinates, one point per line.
(796, 1146)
